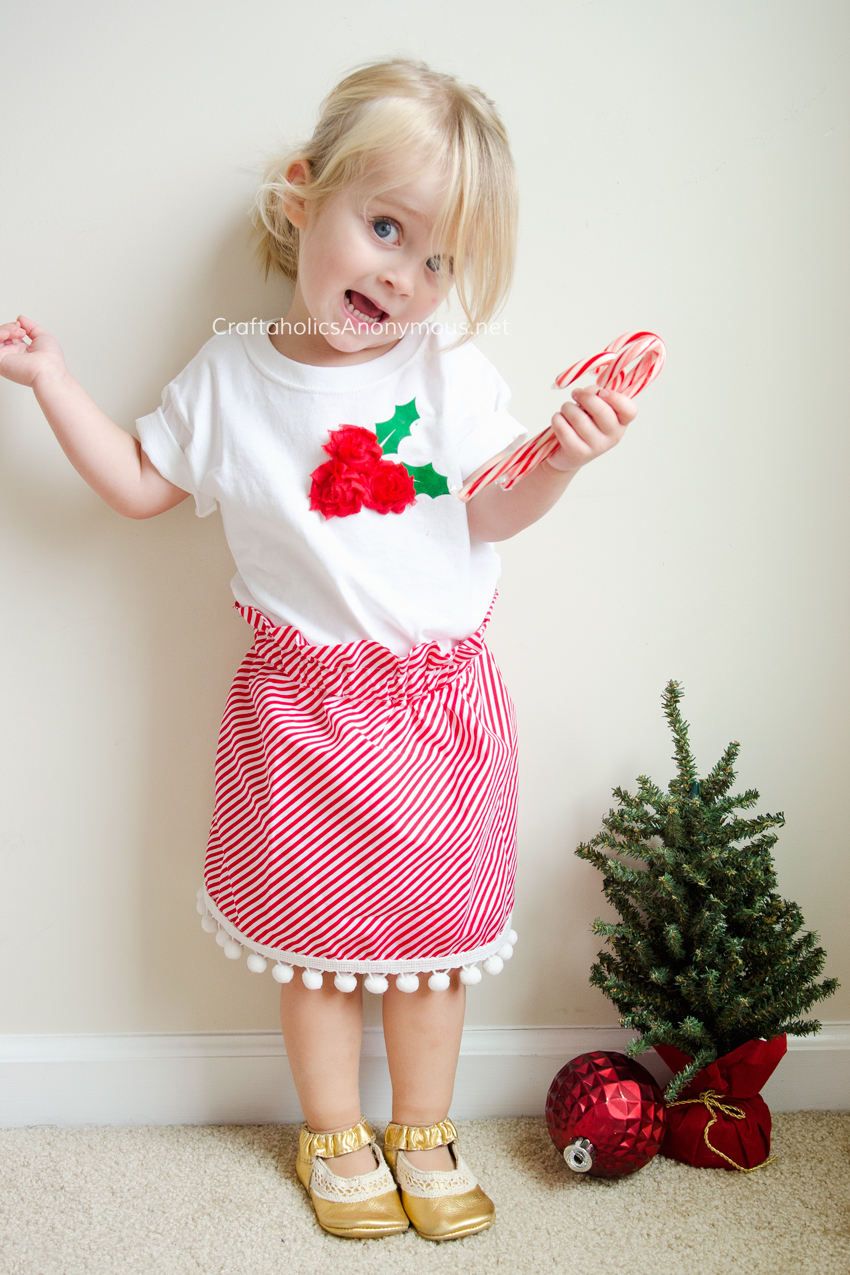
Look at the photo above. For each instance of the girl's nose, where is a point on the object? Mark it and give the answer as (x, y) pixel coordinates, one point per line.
(399, 274)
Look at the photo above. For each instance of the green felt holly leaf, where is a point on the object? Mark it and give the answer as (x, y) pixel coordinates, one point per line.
(427, 482)
(391, 432)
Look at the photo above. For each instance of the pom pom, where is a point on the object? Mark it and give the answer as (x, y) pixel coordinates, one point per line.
(493, 965)
(209, 924)
(376, 983)
(257, 964)
(282, 973)
(439, 981)
(512, 938)
(407, 983)
(312, 979)
(470, 974)
(200, 893)
(506, 952)
(345, 982)
(201, 908)
(232, 950)
(222, 937)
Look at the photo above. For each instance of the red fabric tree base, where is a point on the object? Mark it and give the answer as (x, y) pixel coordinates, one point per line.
(720, 1120)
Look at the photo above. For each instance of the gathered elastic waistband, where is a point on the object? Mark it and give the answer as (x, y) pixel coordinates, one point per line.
(364, 667)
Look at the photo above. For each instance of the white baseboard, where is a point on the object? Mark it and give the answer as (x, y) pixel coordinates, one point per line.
(243, 1078)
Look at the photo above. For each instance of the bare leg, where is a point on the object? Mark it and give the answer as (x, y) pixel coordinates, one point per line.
(422, 1031)
(322, 1031)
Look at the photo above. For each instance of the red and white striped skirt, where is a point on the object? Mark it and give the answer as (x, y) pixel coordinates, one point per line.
(365, 816)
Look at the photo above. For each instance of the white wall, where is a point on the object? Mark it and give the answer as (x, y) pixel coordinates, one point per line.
(683, 168)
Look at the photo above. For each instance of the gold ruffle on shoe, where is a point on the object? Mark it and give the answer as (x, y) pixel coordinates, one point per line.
(362, 1207)
(328, 1145)
(442, 1204)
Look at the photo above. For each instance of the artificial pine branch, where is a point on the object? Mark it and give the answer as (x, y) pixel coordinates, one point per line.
(706, 955)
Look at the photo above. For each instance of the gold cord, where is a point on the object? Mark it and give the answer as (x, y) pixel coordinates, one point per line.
(710, 1098)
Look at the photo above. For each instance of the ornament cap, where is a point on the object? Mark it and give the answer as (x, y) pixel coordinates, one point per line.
(580, 1155)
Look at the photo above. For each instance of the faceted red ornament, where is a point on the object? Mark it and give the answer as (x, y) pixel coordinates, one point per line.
(606, 1114)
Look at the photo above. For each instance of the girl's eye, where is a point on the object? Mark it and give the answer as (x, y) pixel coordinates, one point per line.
(386, 230)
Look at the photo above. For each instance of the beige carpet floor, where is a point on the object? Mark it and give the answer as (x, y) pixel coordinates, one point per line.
(210, 1200)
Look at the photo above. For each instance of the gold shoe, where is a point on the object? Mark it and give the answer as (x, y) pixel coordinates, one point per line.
(443, 1204)
(363, 1207)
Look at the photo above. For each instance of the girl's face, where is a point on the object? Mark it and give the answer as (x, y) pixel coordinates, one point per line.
(364, 275)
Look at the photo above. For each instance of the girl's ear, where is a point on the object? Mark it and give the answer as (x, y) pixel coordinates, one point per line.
(297, 174)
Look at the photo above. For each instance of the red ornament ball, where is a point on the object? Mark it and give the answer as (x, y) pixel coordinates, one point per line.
(606, 1114)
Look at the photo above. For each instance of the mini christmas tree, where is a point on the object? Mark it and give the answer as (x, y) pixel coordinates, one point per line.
(707, 955)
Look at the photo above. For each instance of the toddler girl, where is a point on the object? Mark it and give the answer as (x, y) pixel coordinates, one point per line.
(364, 824)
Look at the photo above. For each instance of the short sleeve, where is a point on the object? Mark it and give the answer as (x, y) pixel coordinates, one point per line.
(493, 431)
(166, 438)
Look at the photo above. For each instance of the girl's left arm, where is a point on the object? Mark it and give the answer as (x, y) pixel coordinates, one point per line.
(587, 427)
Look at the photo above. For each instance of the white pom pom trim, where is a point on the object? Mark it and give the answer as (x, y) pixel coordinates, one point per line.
(346, 980)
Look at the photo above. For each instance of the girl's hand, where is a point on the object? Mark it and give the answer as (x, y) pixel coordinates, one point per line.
(39, 361)
(589, 426)
(111, 460)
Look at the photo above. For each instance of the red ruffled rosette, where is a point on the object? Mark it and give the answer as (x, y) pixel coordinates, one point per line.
(357, 475)
(338, 489)
(354, 447)
(733, 1081)
(390, 488)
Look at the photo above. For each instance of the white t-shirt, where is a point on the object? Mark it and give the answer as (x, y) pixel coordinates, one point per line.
(242, 428)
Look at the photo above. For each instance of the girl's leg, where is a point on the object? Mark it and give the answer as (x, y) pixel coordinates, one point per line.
(422, 1031)
(322, 1031)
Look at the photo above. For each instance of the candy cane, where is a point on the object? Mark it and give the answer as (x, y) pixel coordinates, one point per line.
(627, 366)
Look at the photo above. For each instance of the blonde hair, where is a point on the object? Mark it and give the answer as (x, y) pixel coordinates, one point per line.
(369, 124)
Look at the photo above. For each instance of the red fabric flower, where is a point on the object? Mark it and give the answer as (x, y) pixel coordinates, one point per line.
(338, 489)
(357, 475)
(353, 446)
(391, 489)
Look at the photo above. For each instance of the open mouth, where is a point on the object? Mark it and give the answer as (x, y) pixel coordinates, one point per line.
(363, 308)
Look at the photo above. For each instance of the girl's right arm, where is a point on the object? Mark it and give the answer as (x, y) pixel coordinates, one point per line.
(109, 459)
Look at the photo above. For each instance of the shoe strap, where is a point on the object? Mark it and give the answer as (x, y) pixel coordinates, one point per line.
(328, 1145)
(413, 1137)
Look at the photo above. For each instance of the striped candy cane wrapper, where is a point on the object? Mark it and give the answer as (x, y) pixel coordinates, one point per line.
(626, 366)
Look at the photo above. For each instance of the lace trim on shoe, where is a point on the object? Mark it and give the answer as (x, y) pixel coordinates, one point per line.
(430, 1184)
(367, 1186)
(411, 1137)
(329, 1145)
